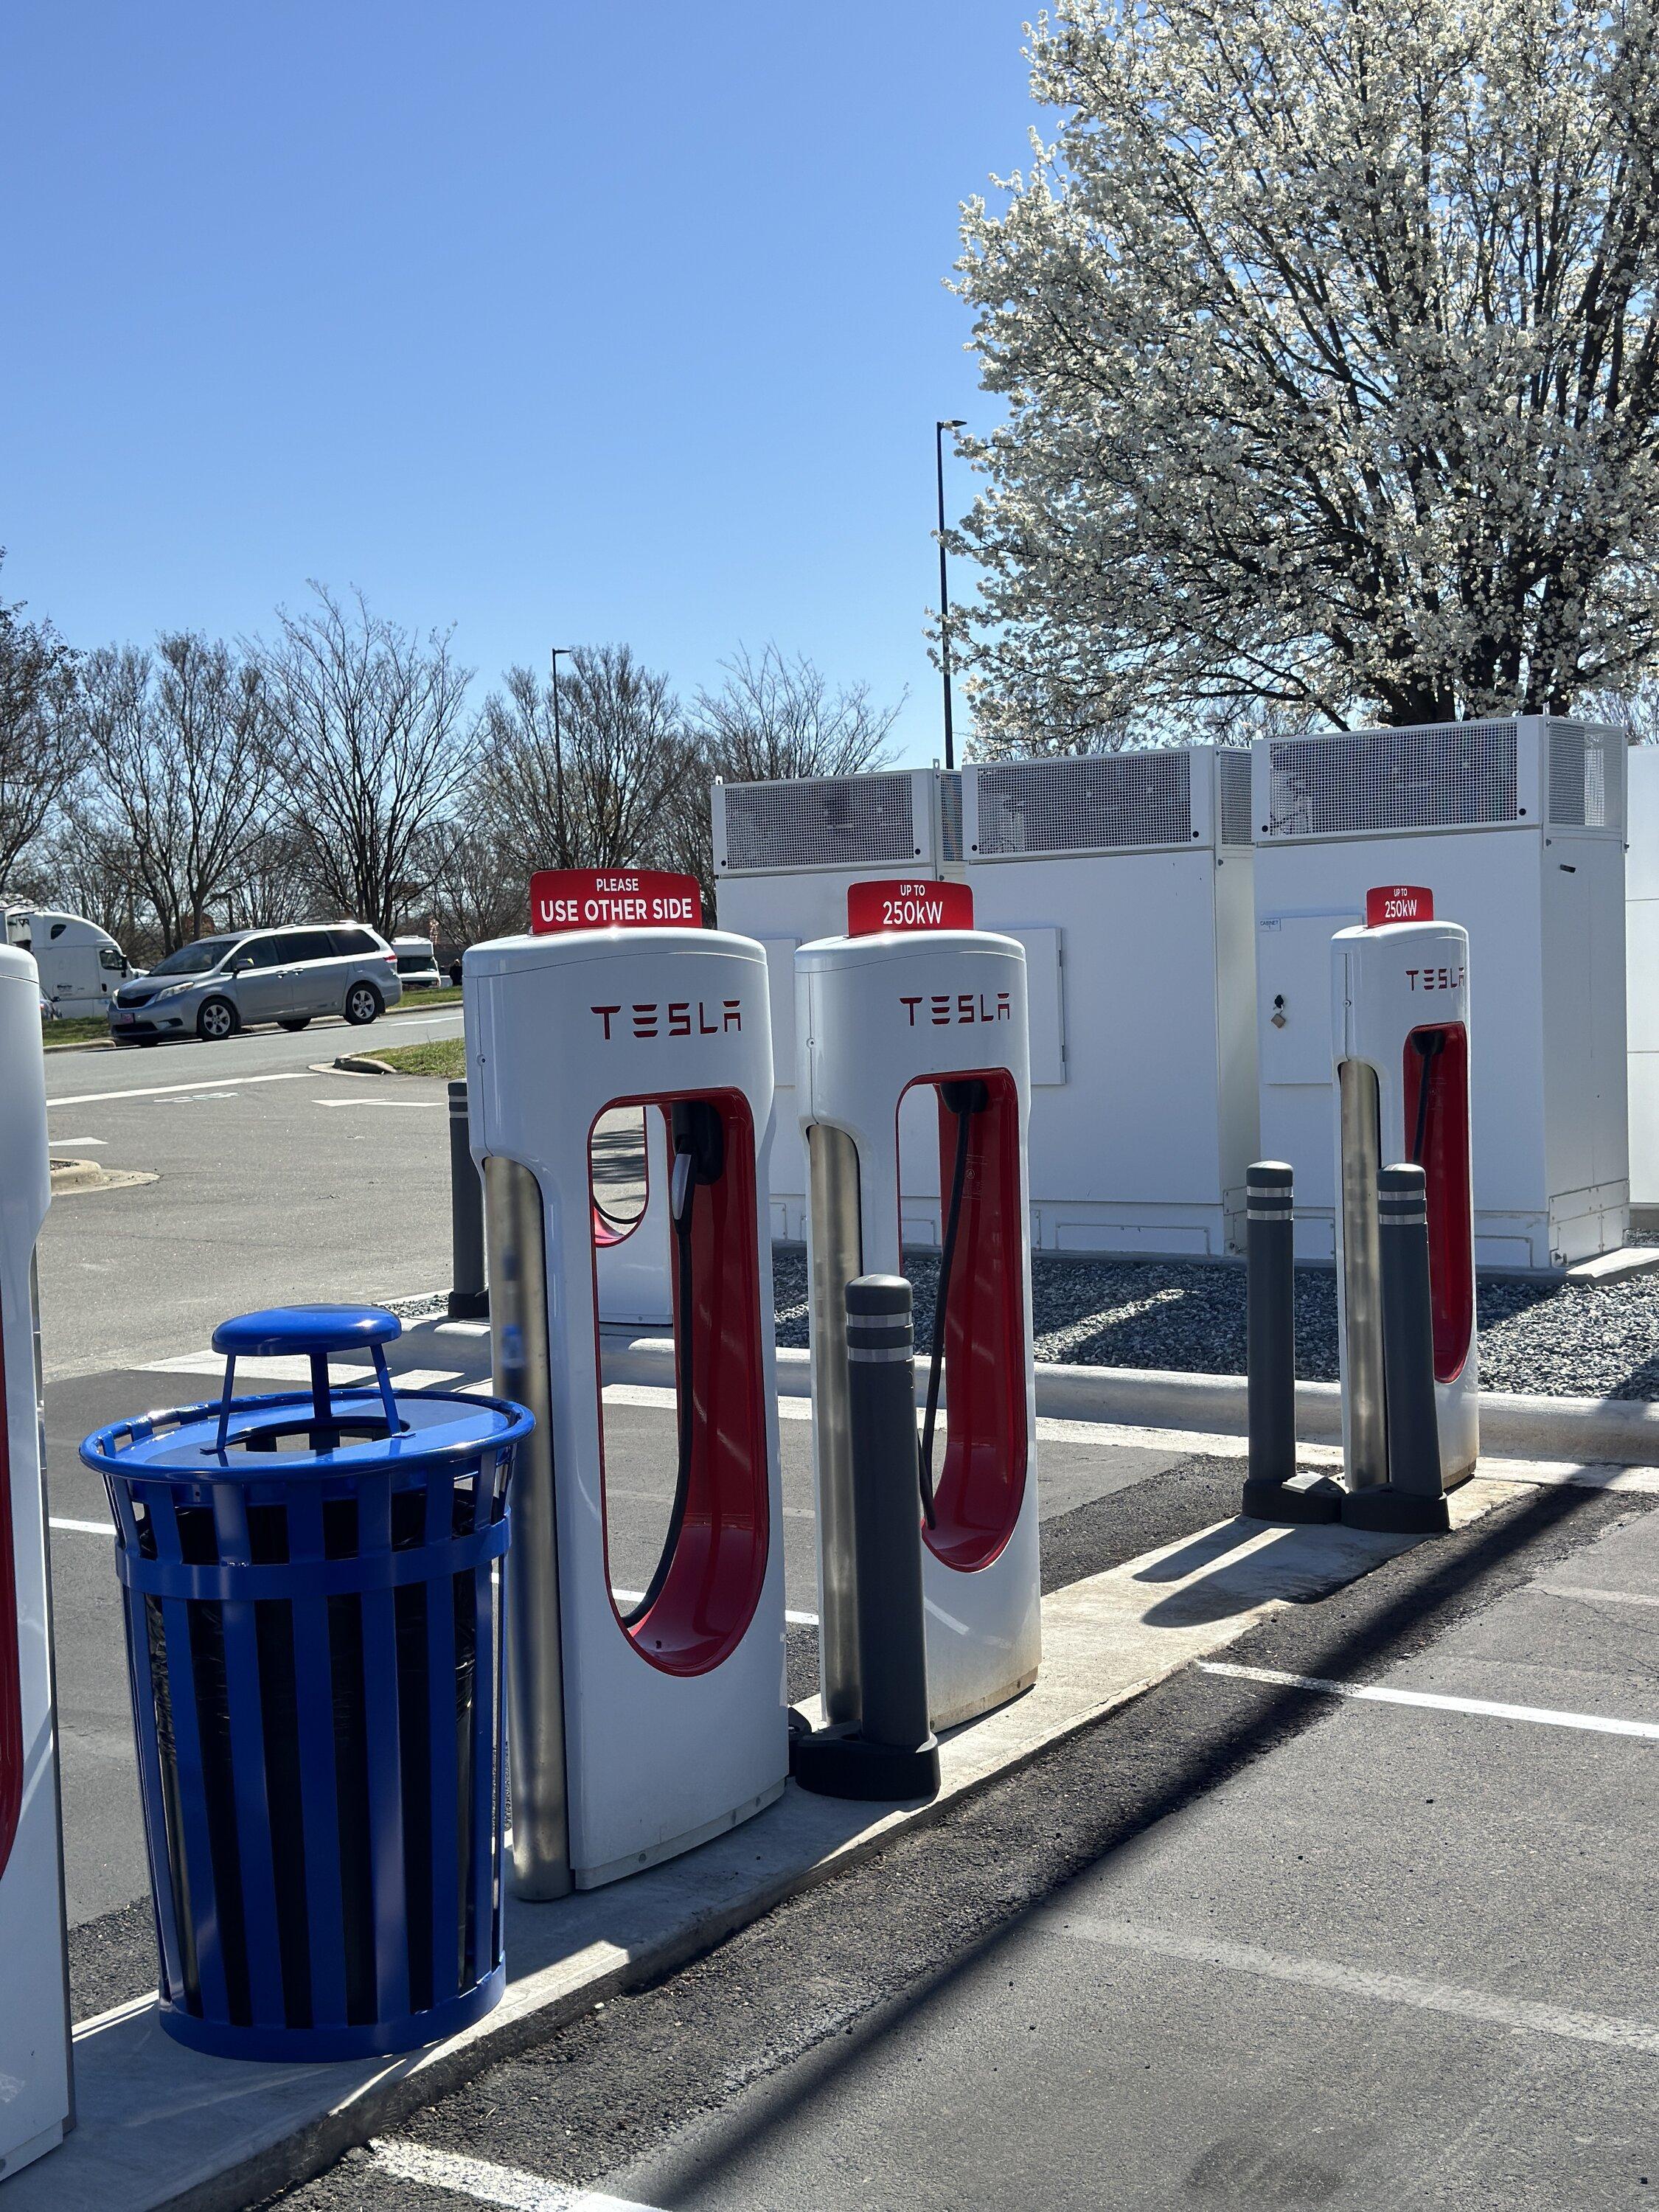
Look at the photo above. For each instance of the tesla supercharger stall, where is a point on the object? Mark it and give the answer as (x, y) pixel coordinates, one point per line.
(36, 2098)
(641, 1720)
(923, 1029)
(1401, 1027)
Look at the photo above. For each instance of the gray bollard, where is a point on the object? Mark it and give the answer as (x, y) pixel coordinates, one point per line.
(1274, 1491)
(890, 1751)
(468, 1298)
(1413, 1501)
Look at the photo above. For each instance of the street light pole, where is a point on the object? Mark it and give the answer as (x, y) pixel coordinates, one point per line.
(558, 760)
(939, 429)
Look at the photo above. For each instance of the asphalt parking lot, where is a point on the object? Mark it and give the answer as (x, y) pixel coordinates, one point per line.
(273, 1183)
(1246, 1942)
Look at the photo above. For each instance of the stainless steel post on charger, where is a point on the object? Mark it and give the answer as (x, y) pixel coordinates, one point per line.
(532, 1641)
(469, 1300)
(1413, 1501)
(1274, 1491)
(889, 1750)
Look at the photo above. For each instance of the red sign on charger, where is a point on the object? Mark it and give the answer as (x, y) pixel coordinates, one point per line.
(1398, 903)
(612, 898)
(873, 908)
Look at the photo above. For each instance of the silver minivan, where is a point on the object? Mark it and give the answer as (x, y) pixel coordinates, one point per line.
(221, 984)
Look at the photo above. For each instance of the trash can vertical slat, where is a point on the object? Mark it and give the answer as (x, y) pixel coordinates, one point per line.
(149, 1777)
(198, 1869)
(247, 1767)
(313, 1699)
(486, 1811)
(381, 1720)
(445, 1781)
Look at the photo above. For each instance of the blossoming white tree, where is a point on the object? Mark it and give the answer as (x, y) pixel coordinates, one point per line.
(1326, 330)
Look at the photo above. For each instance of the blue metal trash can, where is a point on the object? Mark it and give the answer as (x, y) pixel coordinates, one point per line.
(313, 1637)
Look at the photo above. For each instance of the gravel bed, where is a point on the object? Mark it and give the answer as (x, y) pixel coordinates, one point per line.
(1557, 1339)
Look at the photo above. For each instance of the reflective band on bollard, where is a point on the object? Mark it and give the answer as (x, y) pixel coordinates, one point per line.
(890, 1751)
(469, 1300)
(1274, 1490)
(1412, 1500)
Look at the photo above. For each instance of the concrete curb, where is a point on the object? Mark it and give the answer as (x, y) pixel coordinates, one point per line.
(1622, 1431)
(74, 1178)
(76, 1174)
(236, 2131)
(357, 1063)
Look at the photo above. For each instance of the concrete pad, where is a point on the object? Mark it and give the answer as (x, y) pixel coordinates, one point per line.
(162, 2126)
(1513, 1425)
(1609, 1267)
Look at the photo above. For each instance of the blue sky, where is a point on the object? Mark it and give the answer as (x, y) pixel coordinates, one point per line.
(561, 323)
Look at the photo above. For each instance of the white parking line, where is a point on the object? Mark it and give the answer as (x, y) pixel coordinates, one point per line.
(795, 1620)
(426, 1105)
(1483, 1708)
(486, 2183)
(84, 1527)
(1483, 2005)
(296, 1367)
(1595, 1597)
(170, 1090)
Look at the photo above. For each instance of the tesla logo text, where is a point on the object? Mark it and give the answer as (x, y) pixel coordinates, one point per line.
(674, 1017)
(945, 1007)
(1435, 979)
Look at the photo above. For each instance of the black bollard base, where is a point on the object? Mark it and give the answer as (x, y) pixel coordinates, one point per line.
(1396, 1512)
(838, 1762)
(468, 1305)
(1299, 1497)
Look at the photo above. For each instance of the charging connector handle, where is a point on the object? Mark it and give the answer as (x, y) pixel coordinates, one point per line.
(699, 1137)
(964, 1099)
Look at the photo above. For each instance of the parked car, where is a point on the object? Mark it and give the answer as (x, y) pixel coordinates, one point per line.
(417, 962)
(221, 984)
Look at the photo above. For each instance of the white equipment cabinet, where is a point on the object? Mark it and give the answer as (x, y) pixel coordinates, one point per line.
(1642, 972)
(36, 2097)
(785, 855)
(1517, 827)
(1127, 877)
(641, 1723)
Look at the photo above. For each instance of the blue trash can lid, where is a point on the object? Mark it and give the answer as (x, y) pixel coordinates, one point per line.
(278, 1329)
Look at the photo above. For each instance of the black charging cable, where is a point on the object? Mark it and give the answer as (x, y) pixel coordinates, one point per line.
(699, 1137)
(964, 1099)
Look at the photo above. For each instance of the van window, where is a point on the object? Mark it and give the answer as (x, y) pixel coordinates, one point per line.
(308, 944)
(353, 943)
(195, 959)
(112, 957)
(415, 963)
(264, 951)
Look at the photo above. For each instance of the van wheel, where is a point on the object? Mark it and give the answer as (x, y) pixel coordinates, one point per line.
(362, 1005)
(216, 1021)
(295, 1021)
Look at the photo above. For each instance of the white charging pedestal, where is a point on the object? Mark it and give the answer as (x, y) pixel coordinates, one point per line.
(1400, 1032)
(636, 1730)
(36, 2096)
(926, 1031)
